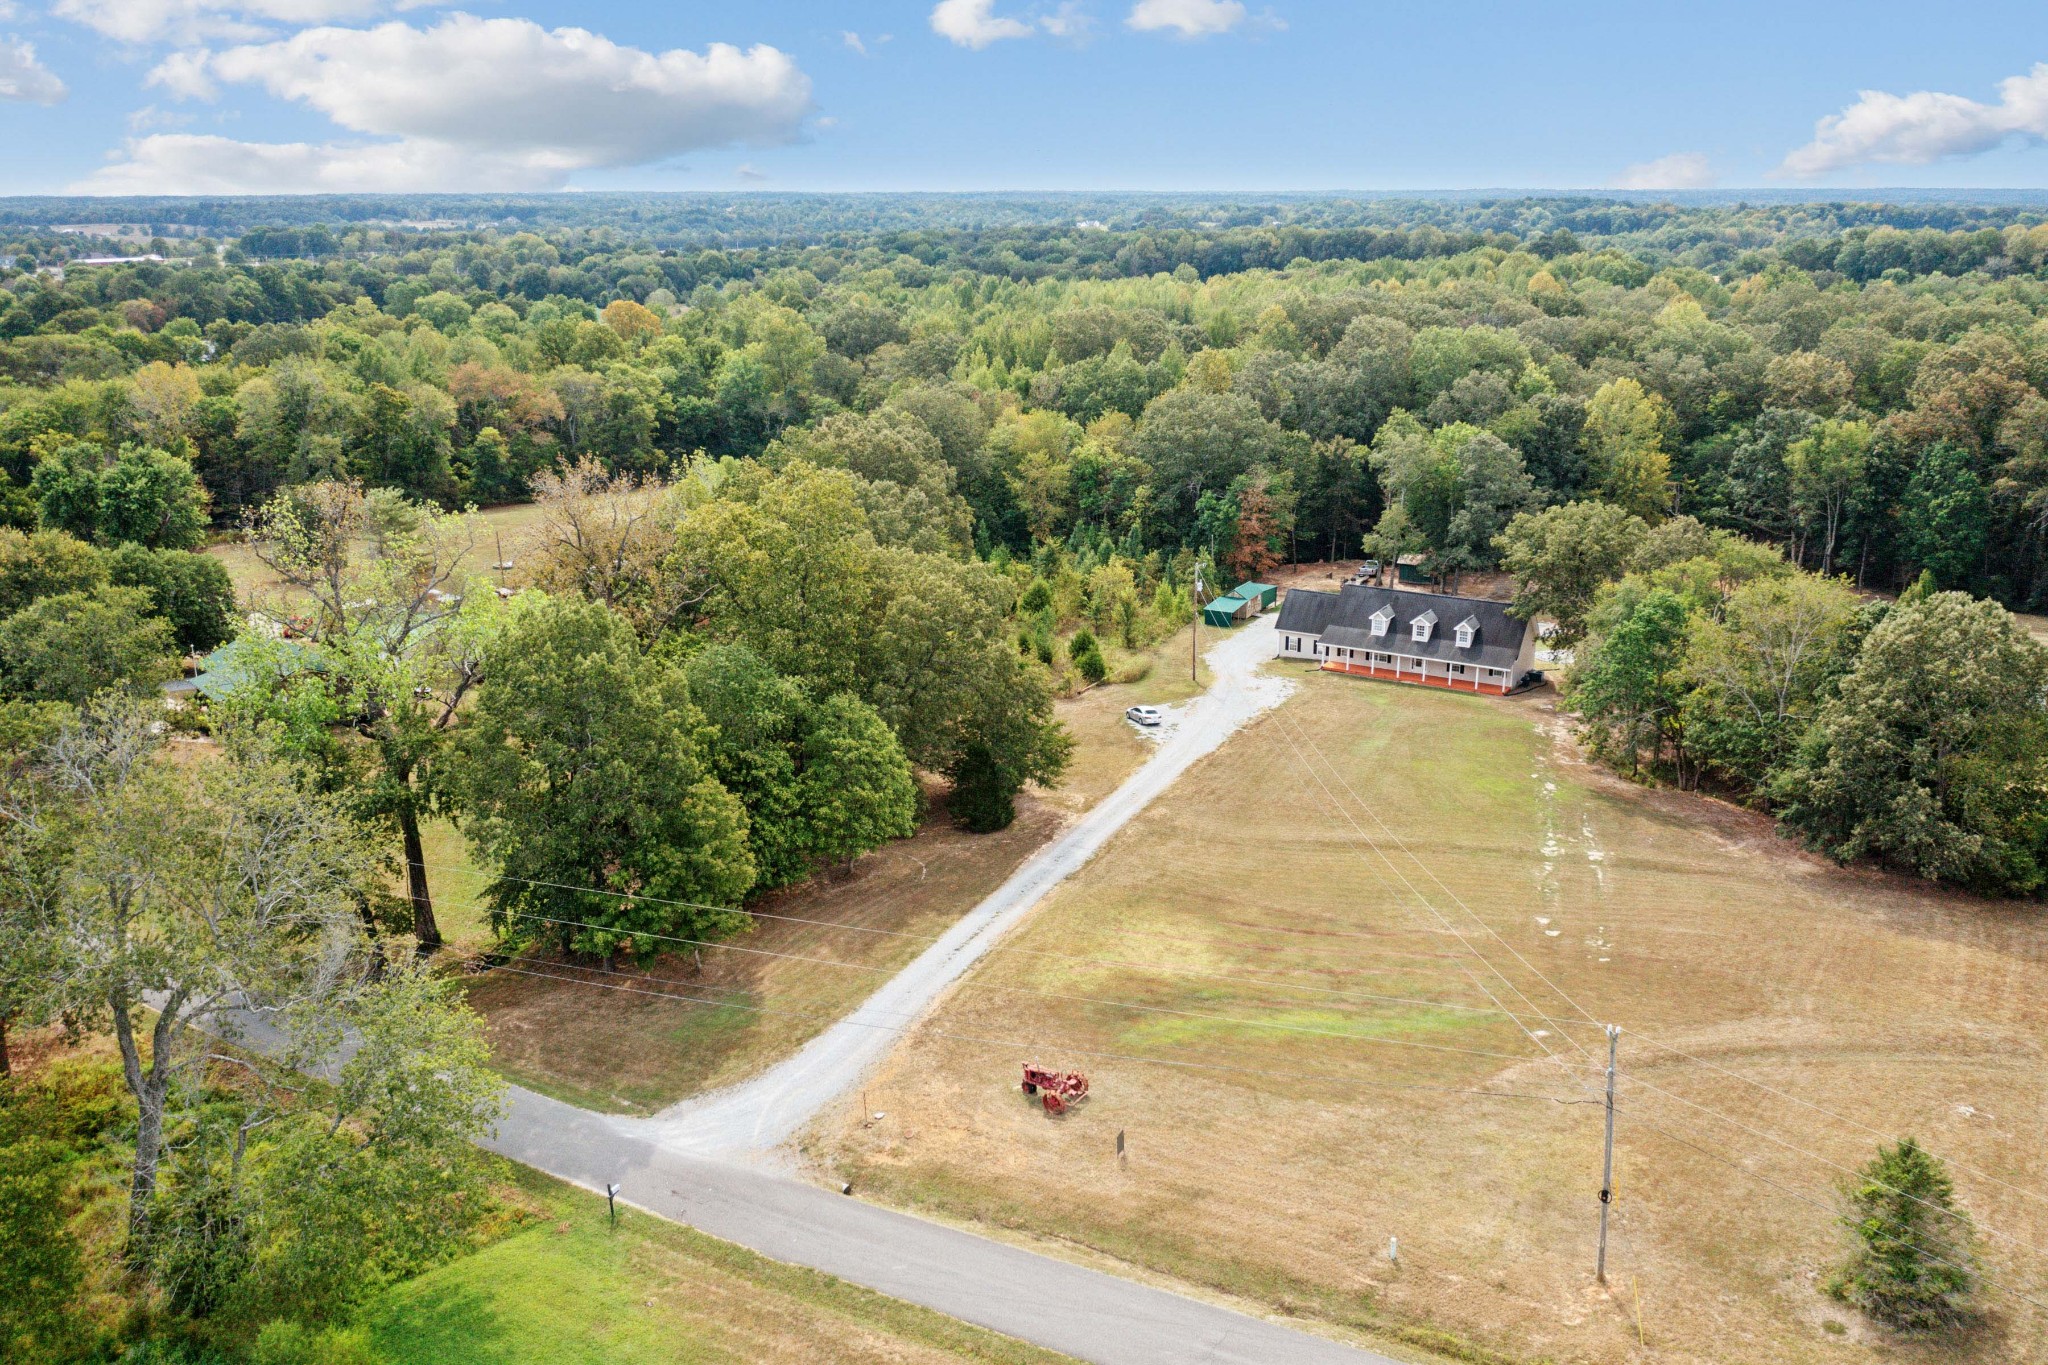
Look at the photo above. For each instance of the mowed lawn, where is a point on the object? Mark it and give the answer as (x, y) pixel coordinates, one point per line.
(570, 1290)
(1343, 984)
(634, 1041)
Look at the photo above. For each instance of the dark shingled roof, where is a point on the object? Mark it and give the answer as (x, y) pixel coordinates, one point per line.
(1345, 618)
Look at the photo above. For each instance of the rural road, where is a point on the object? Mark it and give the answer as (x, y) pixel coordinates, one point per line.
(718, 1163)
(752, 1120)
(1053, 1303)
(714, 1162)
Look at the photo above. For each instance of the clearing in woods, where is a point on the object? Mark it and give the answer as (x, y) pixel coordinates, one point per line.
(1288, 976)
(515, 526)
(571, 1290)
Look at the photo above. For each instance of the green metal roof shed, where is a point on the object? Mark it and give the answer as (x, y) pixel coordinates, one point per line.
(1223, 612)
(1261, 595)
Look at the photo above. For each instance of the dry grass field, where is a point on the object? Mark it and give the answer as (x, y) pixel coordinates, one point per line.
(817, 950)
(766, 993)
(512, 525)
(1343, 984)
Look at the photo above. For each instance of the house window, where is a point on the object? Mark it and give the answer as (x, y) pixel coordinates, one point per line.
(1381, 619)
(1464, 637)
(1457, 668)
(1421, 631)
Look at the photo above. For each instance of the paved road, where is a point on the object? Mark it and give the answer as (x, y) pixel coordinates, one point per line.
(1084, 1313)
(710, 1162)
(752, 1121)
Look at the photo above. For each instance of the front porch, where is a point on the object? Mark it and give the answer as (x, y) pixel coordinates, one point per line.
(1417, 671)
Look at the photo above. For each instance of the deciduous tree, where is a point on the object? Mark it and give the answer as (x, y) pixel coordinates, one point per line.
(1562, 556)
(1894, 764)
(584, 790)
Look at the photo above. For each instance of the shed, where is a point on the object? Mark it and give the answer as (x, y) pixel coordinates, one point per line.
(1411, 569)
(1225, 611)
(243, 661)
(1260, 595)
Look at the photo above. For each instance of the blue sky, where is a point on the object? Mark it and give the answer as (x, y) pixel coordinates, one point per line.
(289, 95)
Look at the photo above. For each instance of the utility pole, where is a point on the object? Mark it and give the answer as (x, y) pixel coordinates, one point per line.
(1607, 1158)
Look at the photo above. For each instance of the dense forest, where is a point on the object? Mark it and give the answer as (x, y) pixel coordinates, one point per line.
(1132, 386)
(834, 498)
(1051, 421)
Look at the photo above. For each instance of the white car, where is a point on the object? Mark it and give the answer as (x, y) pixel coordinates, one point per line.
(1144, 715)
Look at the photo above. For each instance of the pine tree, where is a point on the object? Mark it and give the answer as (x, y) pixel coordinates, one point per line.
(1914, 1263)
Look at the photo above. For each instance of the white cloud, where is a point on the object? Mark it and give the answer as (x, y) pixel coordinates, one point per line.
(852, 40)
(184, 75)
(1189, 18)
(150, 117)
(24, 78)
(1069, 20)
(748, 173)
(191, 21)
(468, 104)
(1678, 171)
(973, 23)
(1922, 127)
(198, 163)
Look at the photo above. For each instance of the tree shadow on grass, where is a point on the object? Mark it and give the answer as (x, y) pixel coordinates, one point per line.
(448, 1324)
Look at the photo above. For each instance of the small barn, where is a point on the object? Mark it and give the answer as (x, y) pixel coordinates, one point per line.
(1226, 611)
(1260, 595)
(1241, 603)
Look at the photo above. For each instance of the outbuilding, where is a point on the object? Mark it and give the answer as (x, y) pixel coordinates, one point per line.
(1226, 611)
(1260, 595)
(1241, 603)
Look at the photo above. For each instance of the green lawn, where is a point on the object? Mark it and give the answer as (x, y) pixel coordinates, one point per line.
(569, 1290)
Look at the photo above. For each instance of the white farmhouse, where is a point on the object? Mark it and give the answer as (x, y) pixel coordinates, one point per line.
(1465, 643)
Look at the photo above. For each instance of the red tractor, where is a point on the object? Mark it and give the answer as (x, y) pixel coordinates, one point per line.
(1057, 1090)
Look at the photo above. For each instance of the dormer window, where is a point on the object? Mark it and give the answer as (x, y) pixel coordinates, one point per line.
(1381, 620)
(1468, 631)
(1422, 627)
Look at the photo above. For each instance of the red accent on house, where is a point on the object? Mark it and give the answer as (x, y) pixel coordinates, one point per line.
(1409, 676)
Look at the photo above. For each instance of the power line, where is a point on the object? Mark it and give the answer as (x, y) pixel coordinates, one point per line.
(1557, 990)
(1826, 1208)
(1817, 1157)
(1361, 834)
(1012, 1043)
(1052, 995)
(1587, 1016)
(1427, 871)
(927, 938)
(1839, 1118)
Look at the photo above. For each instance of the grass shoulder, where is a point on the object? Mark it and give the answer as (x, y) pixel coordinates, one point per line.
(569, 1288)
